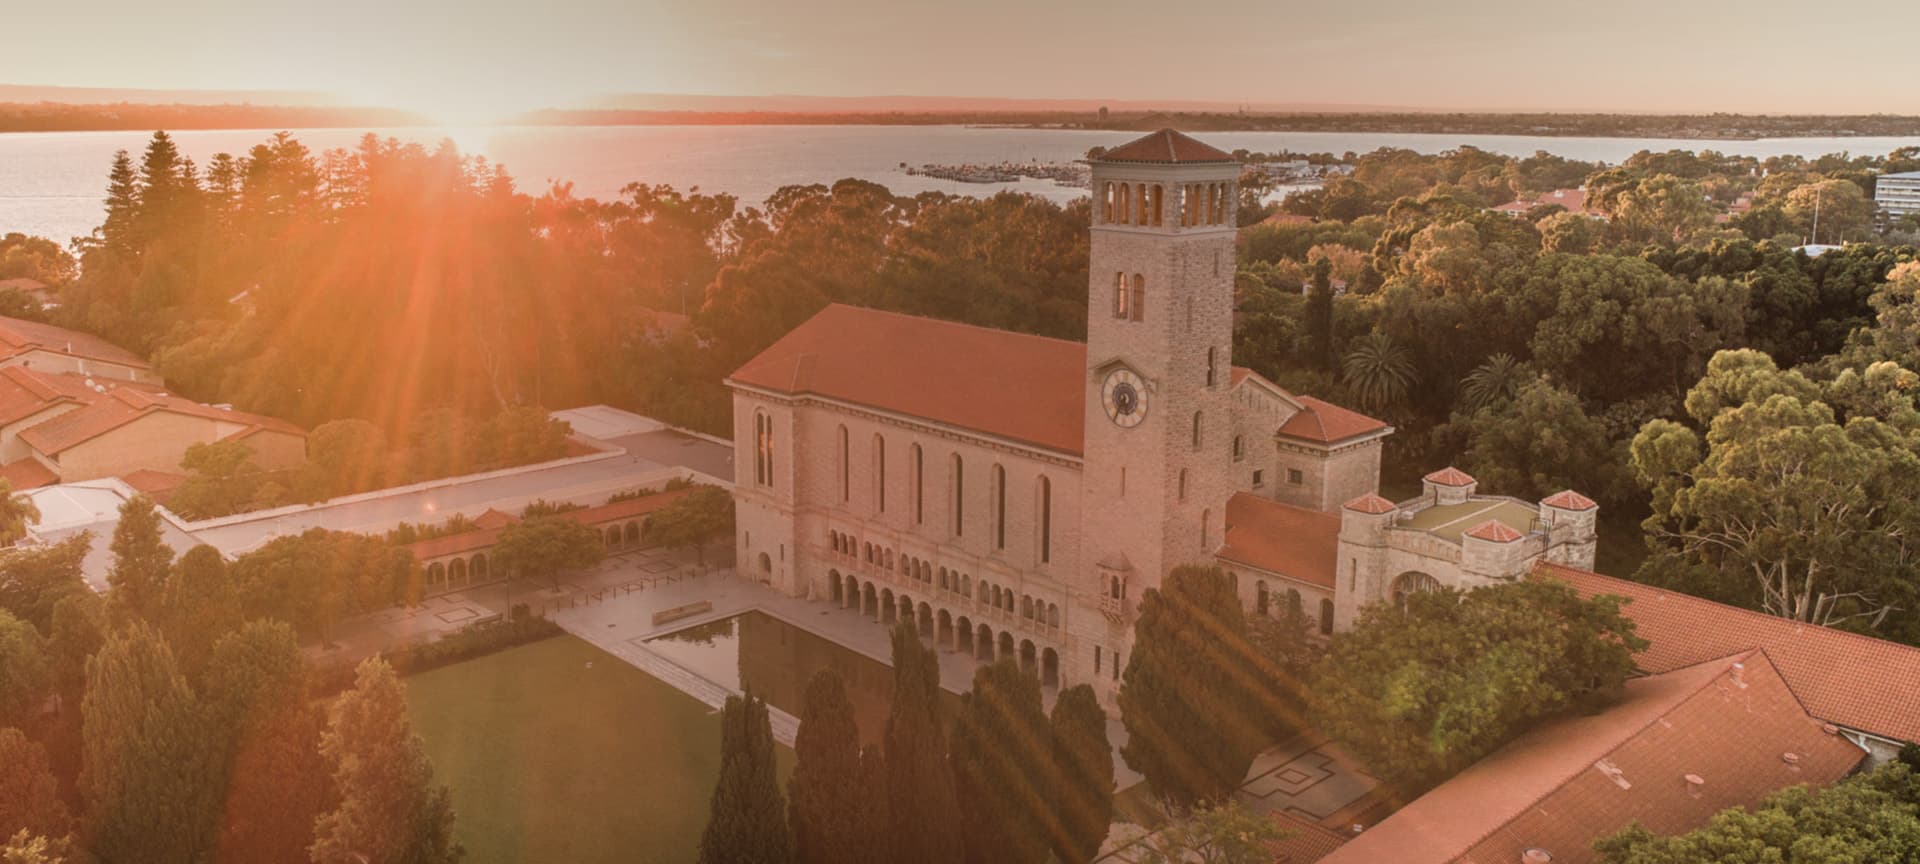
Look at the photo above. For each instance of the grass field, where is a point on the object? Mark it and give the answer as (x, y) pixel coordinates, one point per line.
(558, 751)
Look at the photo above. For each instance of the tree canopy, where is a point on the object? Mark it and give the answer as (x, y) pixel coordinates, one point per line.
(1421, 690)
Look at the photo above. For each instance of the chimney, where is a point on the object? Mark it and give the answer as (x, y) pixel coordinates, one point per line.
(1536, 855)
(1792, 759)
(1695, 785)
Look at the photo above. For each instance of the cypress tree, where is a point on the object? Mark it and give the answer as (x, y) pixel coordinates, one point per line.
(277, 783)
(200, 606)
(29, 795)
(1320, 314)
(875, 810)
(1187, 696)
(824, 793)
(140, 558)
(390, 811)
(922, 823)
(1084, 759)
(1002, 761)
(147, 773)
(748, 823)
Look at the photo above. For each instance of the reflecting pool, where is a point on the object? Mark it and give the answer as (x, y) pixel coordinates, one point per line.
(774, 659)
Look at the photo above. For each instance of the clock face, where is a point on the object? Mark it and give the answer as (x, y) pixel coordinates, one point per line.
(1125, 397)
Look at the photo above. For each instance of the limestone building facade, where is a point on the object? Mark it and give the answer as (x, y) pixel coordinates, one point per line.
(1017, 495)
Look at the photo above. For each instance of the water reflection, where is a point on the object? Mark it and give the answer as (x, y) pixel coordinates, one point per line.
(777, 659)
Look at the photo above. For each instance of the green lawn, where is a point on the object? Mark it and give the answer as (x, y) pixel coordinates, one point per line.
(558, 751)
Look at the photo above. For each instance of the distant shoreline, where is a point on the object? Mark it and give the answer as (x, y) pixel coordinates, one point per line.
(46, 117)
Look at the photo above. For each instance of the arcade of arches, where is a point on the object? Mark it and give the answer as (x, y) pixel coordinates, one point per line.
(981, 622)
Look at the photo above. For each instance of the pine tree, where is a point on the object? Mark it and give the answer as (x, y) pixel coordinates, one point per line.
(140, 558)
(147, 773)
(747, 824)
(1085, 761)
(277, 783)
(921, 800)
(29, 794)
(390, 811)
(824, 793)
(1187, 696)
(1002, 759)
(123, 208)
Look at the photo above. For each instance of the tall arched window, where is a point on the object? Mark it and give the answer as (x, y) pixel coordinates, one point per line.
(1197, 439)
(846, 470)
(999, 507)
(1139, 297)
(1120, 304)
(1106, 202)
(919, 474)
(1125, 208)
(1140, 213)
(879, 473)
(1156, 207)
(1260, 597)
(1326, 617)
(1206, 531)
(763, 448)
(959, 504)
(1182, 489)
(1046, 519)
(1239, 448)
(1213, 361)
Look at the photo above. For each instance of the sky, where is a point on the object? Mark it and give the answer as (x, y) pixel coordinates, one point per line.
(467, 59)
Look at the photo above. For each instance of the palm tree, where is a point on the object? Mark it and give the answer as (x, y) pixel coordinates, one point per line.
(1378, 372)
(1496, 380)
(16, 513)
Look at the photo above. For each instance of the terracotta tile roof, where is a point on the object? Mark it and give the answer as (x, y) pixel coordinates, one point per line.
(1166, 147)
(1563, 786)
(124, 405)
(1450, 476)
(25, 392)
(489, 524)
(494, 519)
(1242, 373)
(1025, 388)
(1495, 531)
(628, 508)
(1569, 500)
(153, 484)
(1281, 538)
(1370, 503)
(1305, 843)
(27, 473)
(1855, 681)
(454, 544)
(18, 337)
(1326, 423)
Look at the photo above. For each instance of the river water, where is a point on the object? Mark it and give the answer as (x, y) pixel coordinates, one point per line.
(53, 184)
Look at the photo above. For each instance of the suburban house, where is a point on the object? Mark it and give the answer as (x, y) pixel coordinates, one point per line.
(61, 427)
(46, 348)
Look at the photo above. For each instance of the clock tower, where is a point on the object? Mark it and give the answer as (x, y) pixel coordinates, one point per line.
(1157, 449)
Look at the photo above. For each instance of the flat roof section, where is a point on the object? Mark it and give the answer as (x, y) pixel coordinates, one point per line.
(1449, 521)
